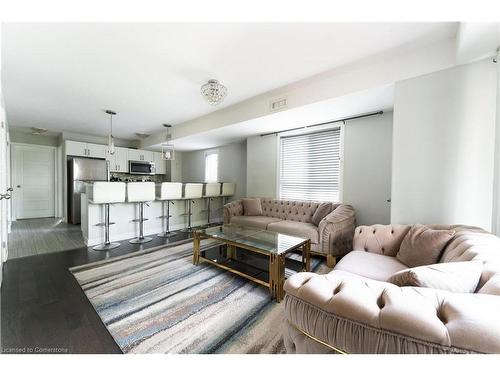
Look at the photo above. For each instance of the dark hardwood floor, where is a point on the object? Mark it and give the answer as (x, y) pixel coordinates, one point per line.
(43, 309)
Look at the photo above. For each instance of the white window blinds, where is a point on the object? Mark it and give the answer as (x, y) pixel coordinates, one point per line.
(310, 166)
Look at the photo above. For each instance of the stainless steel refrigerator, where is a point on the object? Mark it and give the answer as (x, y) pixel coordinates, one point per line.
(81, 170)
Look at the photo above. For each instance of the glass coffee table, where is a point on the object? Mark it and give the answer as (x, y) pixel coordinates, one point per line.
(257, 254)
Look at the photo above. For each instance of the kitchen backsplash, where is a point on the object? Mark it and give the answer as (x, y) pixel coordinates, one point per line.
(125, 177)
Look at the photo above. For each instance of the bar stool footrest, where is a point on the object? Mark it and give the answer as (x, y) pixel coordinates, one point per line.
(138, 220)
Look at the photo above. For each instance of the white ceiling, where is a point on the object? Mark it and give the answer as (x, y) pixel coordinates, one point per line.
(62, 76)
(381, 98)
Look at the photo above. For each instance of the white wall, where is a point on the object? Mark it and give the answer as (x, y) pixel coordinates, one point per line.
(17, 136)
(443, 147)
(262, 166)
(231, 168)
(496, 189)
(367, 168)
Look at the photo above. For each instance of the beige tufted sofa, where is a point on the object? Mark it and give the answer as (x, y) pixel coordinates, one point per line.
(333, 236)
(353, 309)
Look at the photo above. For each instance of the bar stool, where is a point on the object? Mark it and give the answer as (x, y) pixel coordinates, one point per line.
(105, 193)
(140, 192)
(228, 190)
(191, 192)
(211, 190)
(167, 192)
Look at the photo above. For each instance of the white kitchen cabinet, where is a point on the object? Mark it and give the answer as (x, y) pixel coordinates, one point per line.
(140, 155)
(96, 151)
(89, 150)
(121, 159)
(76, 148)
(160, 164)
(118, 162)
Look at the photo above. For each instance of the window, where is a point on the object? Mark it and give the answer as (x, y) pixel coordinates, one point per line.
(310, 166)
(211, 166)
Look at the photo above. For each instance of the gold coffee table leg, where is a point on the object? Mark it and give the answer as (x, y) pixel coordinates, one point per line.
(231, 252)
(277, 276)
(196, 249)
(306, 252)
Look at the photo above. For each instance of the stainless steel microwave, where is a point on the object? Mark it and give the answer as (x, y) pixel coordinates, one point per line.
(141, 167)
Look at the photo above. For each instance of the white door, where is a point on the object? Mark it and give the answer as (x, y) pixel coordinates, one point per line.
(34, 185)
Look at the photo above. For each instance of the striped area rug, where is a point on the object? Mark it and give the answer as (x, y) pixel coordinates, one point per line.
(157, 301)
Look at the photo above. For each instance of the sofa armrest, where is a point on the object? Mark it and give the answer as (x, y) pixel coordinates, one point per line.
(359, 315)
(234, 208)
(336, 230)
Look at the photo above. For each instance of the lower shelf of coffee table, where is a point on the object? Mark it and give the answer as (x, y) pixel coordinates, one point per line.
(249, 264)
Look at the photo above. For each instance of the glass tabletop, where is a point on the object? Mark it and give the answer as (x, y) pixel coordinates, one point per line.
(260, 239)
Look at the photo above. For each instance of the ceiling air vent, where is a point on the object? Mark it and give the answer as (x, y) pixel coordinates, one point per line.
(277, 104)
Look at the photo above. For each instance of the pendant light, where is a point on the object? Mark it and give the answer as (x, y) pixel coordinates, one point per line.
(167, 149)
(111, 141)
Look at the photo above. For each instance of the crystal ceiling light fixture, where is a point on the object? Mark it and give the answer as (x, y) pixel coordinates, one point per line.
(111, 141)
(167, 149)
(214, 92)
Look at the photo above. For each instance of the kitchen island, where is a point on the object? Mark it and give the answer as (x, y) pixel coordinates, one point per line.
(123, 214)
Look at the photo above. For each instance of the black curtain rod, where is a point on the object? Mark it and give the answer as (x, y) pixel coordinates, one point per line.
(327, 122)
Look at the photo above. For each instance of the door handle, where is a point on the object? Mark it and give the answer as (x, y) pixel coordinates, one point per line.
(10, 189)
(4, 196)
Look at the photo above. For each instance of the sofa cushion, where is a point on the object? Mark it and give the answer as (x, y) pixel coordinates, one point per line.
(252, 207)
(289, 210)
(253, 221)
(370, 265)
(423, 245)
(380, 239)
(458, 277)
(322, 210)
(296, 228)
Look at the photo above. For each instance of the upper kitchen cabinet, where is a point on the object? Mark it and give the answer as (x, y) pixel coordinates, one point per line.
(140, 155)
(89, 150)
(96, 151)
(118, 162)
(160, 164)
(76, 148)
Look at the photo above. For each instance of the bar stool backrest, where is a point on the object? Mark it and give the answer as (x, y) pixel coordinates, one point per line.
(102, 192)
(193, 191)
(140, 191)
(212, 189)
(169, 191)
(228, 189)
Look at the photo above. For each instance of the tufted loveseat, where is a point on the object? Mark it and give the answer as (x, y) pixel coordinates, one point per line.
(332, 238)
(354, 309)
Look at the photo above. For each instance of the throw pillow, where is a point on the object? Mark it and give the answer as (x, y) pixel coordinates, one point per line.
(322, 210)
(422, 245)
(252, 207)
(458, 277)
